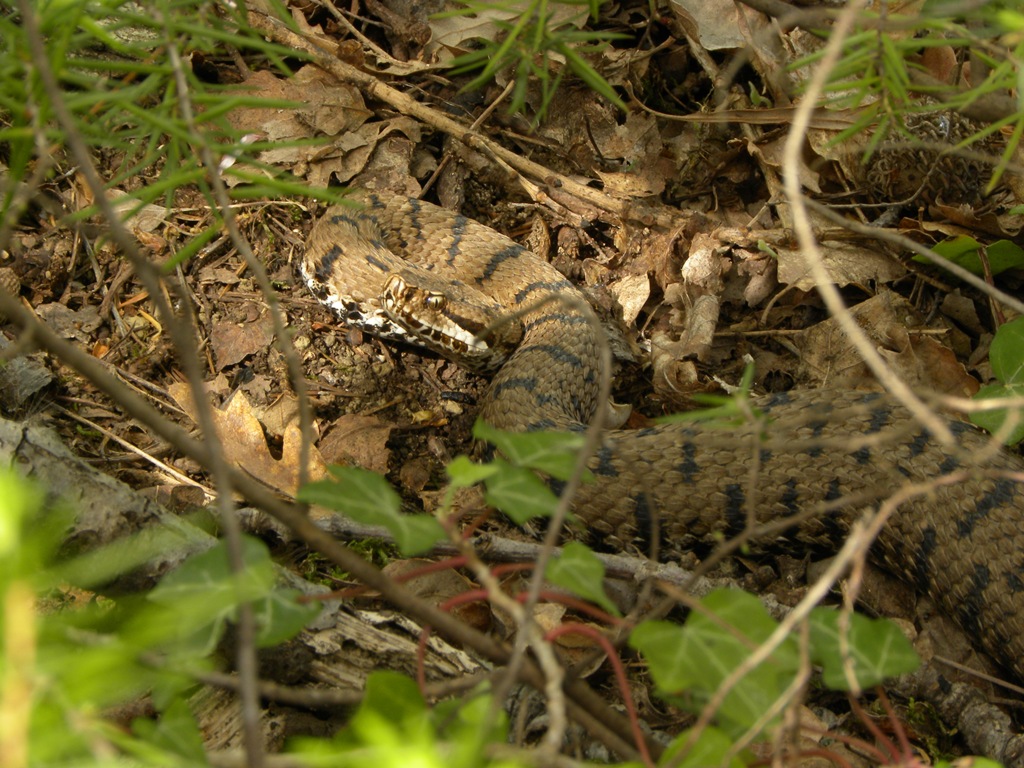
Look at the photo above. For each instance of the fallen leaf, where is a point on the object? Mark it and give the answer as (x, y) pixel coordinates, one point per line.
(716, 24)
(233, 342)
(438, 587)
(449, 33)
(845, 263)
(70, 323)
(771, 154)
(358, 440)
(627, 185)
(918, 358)
(240, 435)
(632, 292)
(330, 109)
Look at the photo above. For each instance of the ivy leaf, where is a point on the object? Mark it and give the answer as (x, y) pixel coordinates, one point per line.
(392, 719)
(711, 748)
(208, 575)
(699, 656)
(964, 251)
(280, 616)
(519, 493)
(1007, 358)
(464, 473)
(877, 649)
(468, 724)
(553, 453)
(393, 695)
(580, 571)
(175, 731)
(662, 643)
(1007, 352)
(203, 594)
(366, 497)
(993, 420)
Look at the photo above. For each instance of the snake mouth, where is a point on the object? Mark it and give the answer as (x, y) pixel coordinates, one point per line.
(448, 323)
(419, 317)
(361, 315)
(431, 315)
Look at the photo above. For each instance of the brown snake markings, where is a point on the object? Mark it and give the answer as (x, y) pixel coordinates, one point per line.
(961, 541)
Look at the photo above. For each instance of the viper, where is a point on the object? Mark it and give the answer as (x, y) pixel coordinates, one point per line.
(822, 457)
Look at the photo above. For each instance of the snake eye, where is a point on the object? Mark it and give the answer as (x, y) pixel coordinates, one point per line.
(435, 301)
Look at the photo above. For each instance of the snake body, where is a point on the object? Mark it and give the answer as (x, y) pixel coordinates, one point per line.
(824, 457)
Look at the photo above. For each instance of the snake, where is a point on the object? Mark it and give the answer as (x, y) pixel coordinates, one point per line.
(818, 459)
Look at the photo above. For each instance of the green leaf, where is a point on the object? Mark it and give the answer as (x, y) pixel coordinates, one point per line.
(28, 535)
(993, 420)
(367, 498)
(877, 649)
(699, 656)
(710, 749)
(1010, 20)
(392, 723)
(101, 565)
(393, 695)
(964, 251)
(580, 571)
(203, 595)
(519, 493)
(175, 732)
(280, 616)
(553, 453)
(468, 724)
(662, 643)
(209, 574)
(465, 473)
(969, 762)
(1007, 352)
(1007, 358)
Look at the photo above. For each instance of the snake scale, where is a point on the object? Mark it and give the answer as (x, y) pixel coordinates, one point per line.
(832, 454)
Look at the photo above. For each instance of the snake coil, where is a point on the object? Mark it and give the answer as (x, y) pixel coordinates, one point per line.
(822, 458)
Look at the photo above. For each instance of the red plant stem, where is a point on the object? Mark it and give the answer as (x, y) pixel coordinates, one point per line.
(863, 716)
(853, 742)
(897, 723)
(577, 605)
(472, 596)
(828, 754)
(620, 678)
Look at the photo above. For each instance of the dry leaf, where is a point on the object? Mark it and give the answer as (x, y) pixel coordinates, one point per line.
(715, 24)
(918, 358)
(450, 32)
(359, 440)
(332, 109)
(845, 263)
(771, 155)
(241, 437)
(631, 292)
(233, 342)
(440, 586)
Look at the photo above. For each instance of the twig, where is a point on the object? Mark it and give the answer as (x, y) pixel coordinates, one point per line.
(812, 251)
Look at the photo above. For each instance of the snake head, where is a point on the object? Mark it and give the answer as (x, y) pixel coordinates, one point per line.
(450, 319)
